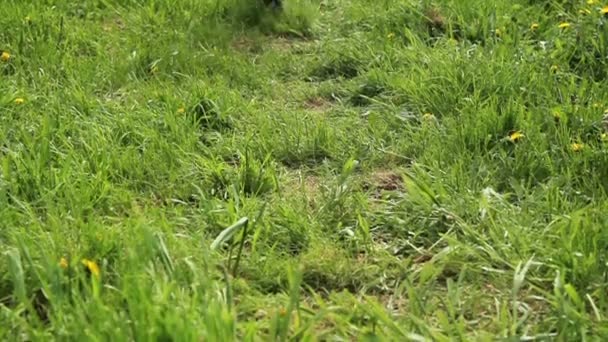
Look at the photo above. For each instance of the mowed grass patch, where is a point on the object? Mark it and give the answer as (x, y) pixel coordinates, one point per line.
(397, 170)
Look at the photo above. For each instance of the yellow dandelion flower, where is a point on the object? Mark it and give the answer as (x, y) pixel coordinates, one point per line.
(564, 26)
(92, 267)
(553, 68)
(19, 101)
(515, 136)
(63, 263)
(604, 10)
(577, 147)
(5, 56)
(390, 35)
(181, 110)
(498, 32)
(534, 26)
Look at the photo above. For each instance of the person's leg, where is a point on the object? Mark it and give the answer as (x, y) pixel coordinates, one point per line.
(276, 4)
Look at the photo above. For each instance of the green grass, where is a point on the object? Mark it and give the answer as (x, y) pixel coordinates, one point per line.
(366, 142)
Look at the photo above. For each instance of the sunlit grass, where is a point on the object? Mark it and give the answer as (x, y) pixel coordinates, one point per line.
(219, 170)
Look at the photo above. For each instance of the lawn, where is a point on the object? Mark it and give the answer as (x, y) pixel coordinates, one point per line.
(389, 170)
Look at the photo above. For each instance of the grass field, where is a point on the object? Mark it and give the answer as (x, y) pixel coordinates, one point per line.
(206, 170)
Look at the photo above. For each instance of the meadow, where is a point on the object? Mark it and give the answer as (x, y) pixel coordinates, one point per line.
(388, 170)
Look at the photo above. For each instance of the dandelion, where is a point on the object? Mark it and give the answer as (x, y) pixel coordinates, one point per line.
(19, 101)
(564, 26)
(498, 32)
(63, 263)
(604, 10)
(515, 136)
(390, 35)
(553, 69)
(92, 267)
(577, 147)
(5, 56)
(534, 26)
(181, 110)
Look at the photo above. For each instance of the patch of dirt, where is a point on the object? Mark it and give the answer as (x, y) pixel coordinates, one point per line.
(113, 24)
(306, 186)
(246, 44)
(435, 19)
(312, 185)
(317, 104)
(292, 44)
(384, 180)
(282, 44)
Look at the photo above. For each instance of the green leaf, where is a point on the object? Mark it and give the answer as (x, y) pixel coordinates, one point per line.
(227, 233)
(16, 272)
